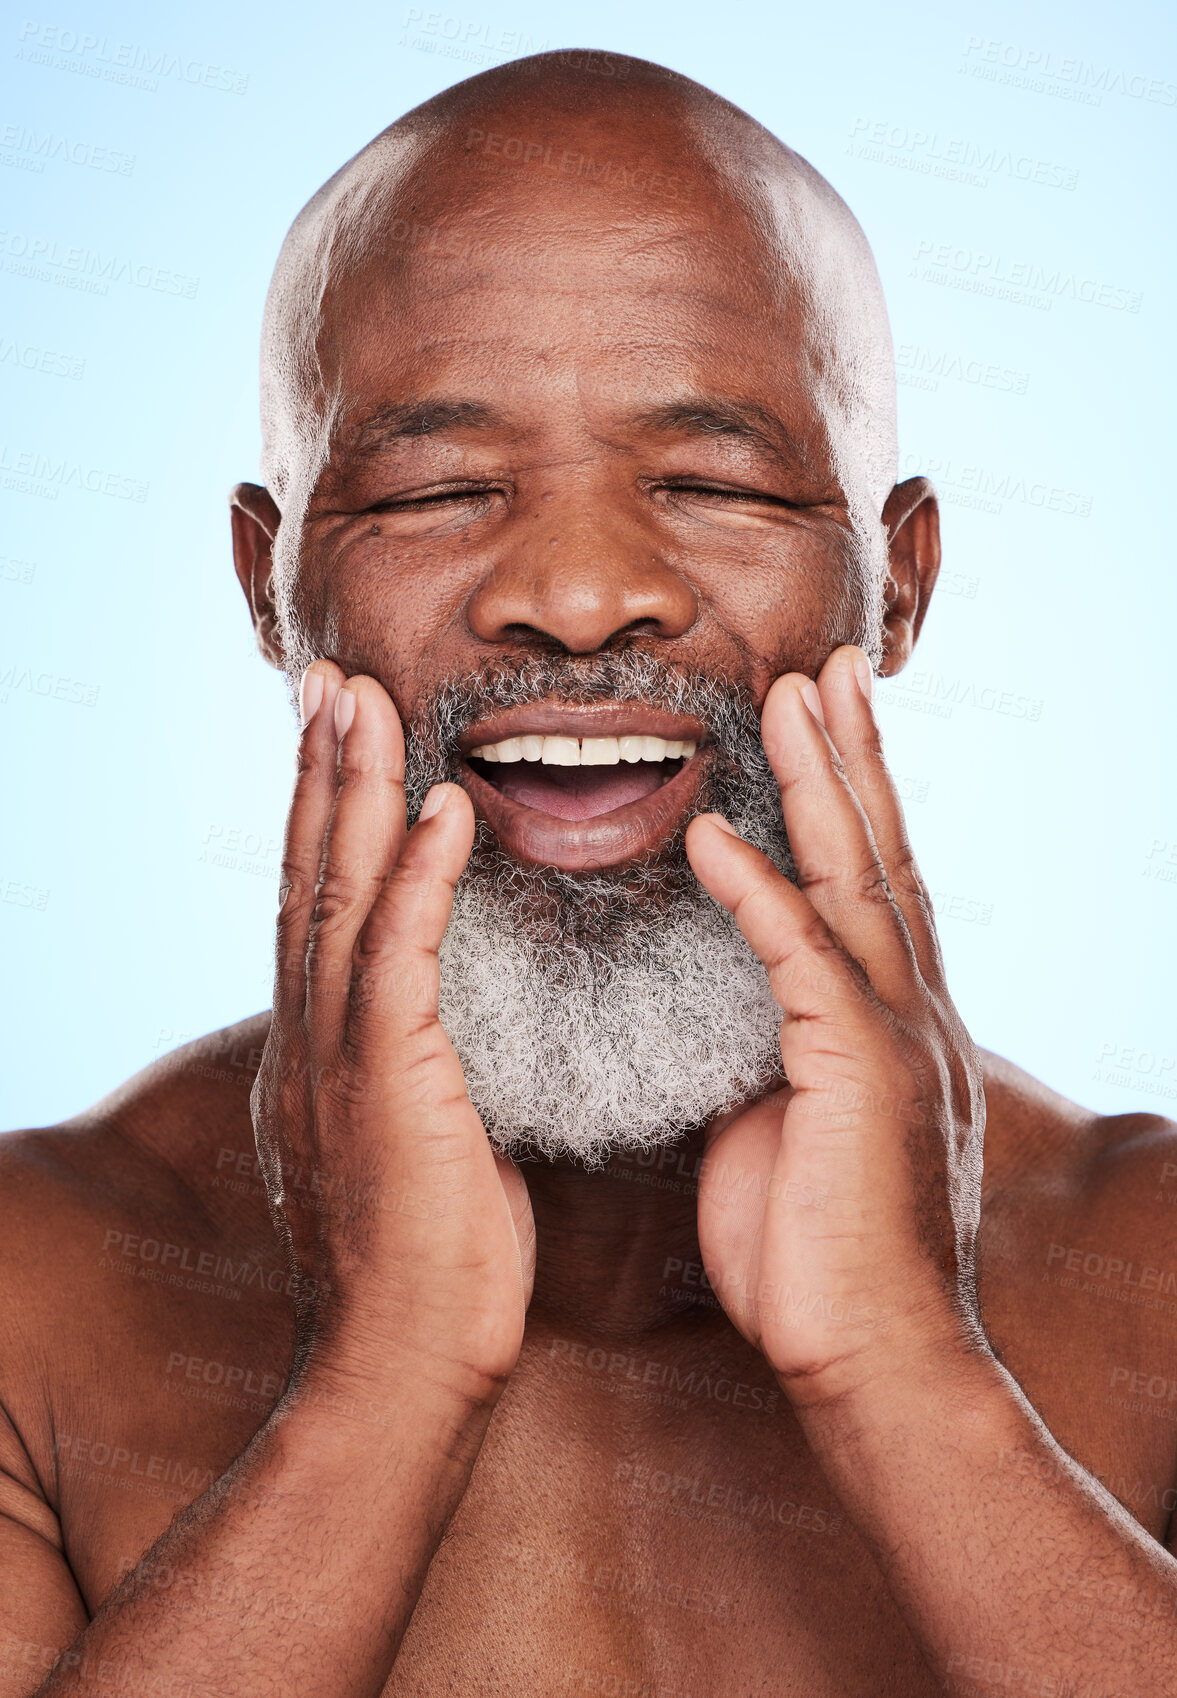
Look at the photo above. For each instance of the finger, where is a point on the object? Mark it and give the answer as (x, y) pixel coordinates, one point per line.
(811, 975)
(302, 851)
(397, 973)
(845, 685)
(363, 839)
(838, 865)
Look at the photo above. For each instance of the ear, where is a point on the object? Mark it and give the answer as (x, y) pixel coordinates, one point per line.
(911, 519)
(255, 519)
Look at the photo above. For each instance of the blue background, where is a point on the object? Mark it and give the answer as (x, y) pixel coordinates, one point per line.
(157, 157)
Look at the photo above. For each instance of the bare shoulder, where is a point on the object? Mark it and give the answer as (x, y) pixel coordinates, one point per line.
(128, 1256)
(1070, 1193)
(1039, 1141)
(147, 1159)
(1078, 1281)
(156, 1131)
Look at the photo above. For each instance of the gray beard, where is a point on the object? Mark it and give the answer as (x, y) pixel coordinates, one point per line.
(618, 1009)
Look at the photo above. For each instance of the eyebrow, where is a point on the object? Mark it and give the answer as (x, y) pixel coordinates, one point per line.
(705, 415)
(405, 420)
(693, 415)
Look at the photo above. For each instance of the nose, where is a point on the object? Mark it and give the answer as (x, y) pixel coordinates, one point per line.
(581, 579)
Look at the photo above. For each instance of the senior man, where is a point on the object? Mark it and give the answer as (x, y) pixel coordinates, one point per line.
(616, 1301)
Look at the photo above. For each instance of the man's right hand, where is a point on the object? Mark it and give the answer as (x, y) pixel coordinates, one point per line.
(412, 1279)
(419, 1255)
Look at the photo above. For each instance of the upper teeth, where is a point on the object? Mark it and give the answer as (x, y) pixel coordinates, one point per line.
(583, 751)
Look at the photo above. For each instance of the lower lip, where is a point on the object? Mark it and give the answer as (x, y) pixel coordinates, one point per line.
(603, 840)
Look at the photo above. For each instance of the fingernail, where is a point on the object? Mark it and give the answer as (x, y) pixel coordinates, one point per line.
(345, 711)
(864, 673)
(812, 699)
(310, 696)
(434, 802)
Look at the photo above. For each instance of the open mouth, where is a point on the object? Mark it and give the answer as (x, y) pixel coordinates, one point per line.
(579, 778)
(583, 787)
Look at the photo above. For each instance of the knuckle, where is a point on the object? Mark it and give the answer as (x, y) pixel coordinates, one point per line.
(295, 892)
(338, 895)
(870, 885)
(867, 883)
(332, 906)
(367, 770)
(906, 880)
(811, 876)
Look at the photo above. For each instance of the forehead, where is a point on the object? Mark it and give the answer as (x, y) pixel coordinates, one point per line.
(527, 280)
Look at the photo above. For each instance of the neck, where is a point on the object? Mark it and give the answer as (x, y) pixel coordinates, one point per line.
(618, 1248)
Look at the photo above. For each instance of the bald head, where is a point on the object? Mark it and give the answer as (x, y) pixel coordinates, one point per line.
(579, 416)
(513, 168)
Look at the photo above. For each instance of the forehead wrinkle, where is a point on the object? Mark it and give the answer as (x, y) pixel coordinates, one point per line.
(794, 229)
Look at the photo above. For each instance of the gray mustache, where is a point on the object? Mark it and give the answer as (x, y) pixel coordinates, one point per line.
(627, 675)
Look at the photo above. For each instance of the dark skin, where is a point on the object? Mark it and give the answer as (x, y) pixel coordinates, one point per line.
(506, 1403)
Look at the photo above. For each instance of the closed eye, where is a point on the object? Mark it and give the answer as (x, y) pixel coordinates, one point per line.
(422, 500)
(727, 492)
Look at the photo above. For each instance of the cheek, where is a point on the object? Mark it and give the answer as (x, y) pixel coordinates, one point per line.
(783, 606)
(767, 605)
(366, 607)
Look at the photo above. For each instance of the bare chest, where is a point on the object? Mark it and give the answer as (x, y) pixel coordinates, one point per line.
(645, 1521)
(673, 1542)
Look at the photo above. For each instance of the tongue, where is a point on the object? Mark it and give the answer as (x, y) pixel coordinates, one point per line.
(577, 792)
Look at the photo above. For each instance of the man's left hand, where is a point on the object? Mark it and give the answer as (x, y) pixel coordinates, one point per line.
(838, 1219)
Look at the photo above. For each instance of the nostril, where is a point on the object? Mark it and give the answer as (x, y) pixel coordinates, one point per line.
(532, 638)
